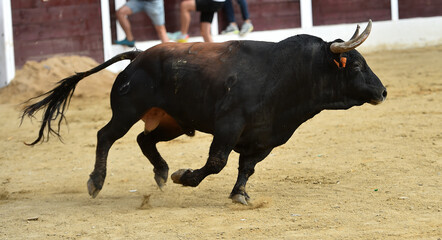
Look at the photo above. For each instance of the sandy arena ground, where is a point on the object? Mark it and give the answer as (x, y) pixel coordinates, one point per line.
(371, 172)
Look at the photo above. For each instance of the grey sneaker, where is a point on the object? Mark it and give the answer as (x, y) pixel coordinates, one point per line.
(231, 29)
(246, 28)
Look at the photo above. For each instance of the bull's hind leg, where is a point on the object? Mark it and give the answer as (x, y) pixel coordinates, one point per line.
(147, 142)
(159, 126)
(246, 168)
(106, 136)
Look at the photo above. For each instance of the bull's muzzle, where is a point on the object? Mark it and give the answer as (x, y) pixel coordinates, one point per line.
(379, 100)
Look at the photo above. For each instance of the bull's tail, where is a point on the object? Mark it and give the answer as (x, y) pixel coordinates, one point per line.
(57, 100)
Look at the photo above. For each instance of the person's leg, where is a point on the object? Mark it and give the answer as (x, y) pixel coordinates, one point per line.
(244, 10)
(230, 14)
(232, 28)
(247, 25)
(206, 18)
(205, 31)
(186, 7)
(162, 34)
(155, 10)
(122, 15)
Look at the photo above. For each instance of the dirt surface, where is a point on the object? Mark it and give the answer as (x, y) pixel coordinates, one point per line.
(371, 172)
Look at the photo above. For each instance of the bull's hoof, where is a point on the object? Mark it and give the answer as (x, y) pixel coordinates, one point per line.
(239, 198)
(176, 176)
(160, 180)
(93, 191)
(161, 177)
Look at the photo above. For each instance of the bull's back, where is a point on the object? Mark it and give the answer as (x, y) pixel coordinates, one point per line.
(195, 79)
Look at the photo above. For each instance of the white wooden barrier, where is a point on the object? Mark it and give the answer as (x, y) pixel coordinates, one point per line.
(7, 63)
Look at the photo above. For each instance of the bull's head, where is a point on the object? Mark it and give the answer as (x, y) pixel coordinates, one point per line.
(361, 85)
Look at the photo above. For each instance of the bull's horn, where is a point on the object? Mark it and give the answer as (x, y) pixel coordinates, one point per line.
(356, 32)
(341, 47)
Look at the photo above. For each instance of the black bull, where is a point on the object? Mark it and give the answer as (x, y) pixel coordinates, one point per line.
(250, 95)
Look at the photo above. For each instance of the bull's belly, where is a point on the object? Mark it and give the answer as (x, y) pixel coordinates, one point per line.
(158, 117)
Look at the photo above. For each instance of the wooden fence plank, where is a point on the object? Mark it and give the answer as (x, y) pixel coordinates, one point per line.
(422, 8)
(22, 4)
(327, 12)
(47, 28)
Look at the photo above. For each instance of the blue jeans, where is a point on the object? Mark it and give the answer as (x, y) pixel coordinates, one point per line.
(228, 7)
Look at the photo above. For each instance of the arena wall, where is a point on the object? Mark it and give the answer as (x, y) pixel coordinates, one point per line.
(45, 28)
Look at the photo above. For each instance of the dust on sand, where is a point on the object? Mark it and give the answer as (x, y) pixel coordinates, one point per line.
(371, 172)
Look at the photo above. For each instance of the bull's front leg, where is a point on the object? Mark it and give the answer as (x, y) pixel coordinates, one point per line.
(224, 140)
(246, 168)
(192, 178)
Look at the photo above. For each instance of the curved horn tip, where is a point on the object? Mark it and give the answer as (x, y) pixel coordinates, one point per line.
(355, 41)
(368, 27)
(356, 32)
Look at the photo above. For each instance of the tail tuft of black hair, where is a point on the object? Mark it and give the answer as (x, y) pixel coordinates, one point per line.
(56, 101)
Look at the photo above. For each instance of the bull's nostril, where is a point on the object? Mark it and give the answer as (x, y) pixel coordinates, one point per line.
(384, 93)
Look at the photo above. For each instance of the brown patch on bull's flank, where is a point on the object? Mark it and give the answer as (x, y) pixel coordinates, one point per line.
(158, 117)
(152, 119)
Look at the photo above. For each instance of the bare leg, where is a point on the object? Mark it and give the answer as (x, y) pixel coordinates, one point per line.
(205, 31)
(162, 35)
(122, 15)
(187, 6)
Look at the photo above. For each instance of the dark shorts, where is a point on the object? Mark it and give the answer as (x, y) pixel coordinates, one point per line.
(207, 9)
